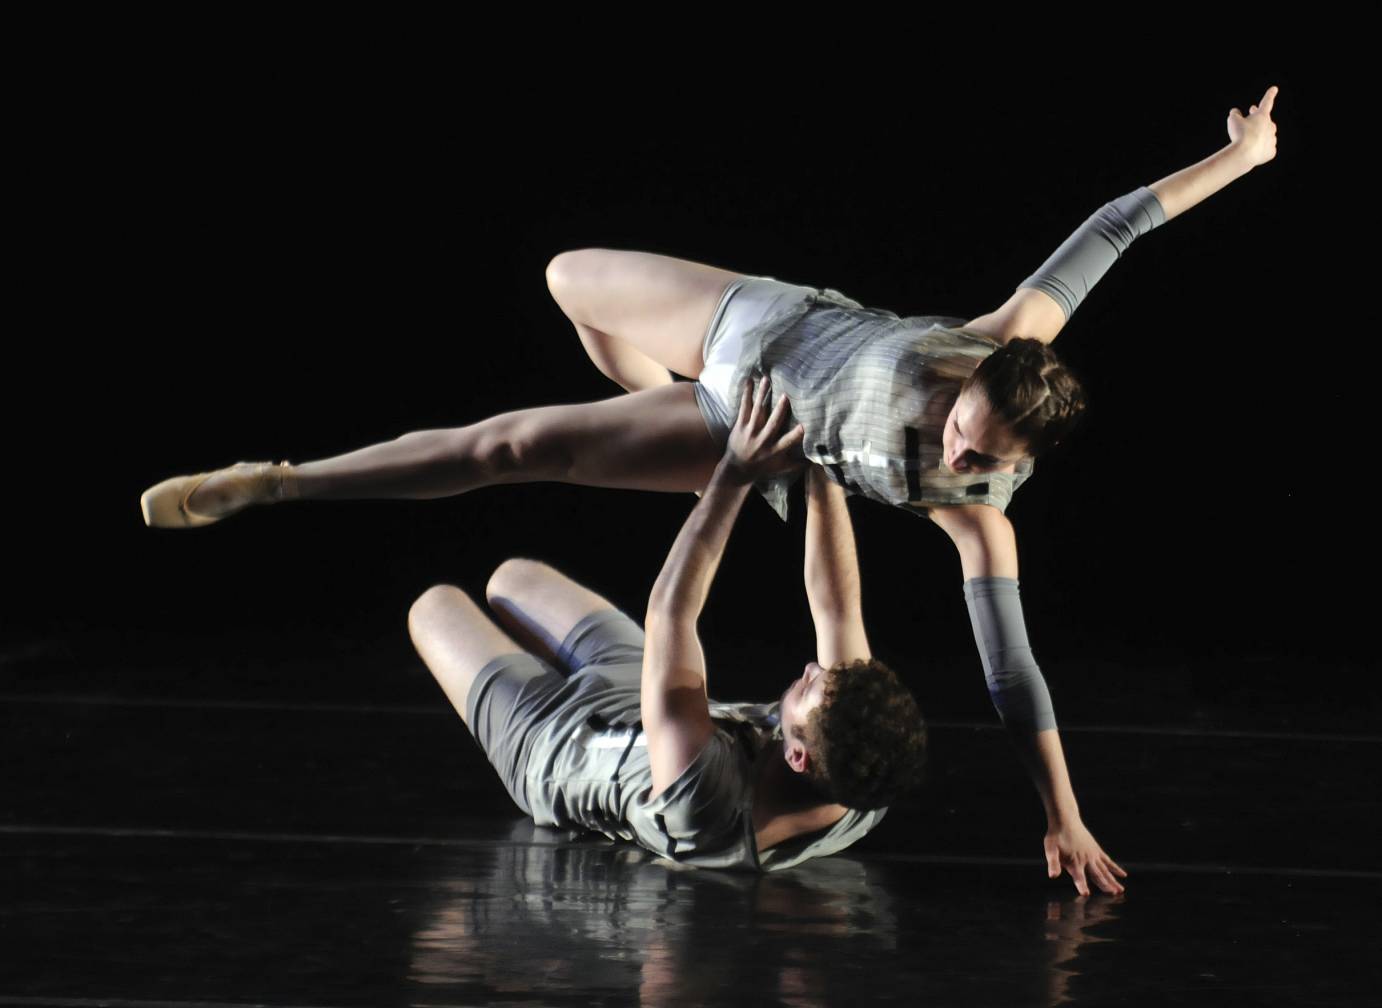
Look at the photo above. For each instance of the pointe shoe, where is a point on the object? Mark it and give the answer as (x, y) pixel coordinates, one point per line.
(165, 504)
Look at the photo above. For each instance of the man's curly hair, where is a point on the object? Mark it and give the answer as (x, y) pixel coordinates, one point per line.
(866, 738)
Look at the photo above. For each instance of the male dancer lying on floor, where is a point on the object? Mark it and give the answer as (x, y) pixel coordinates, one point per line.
(626, 743)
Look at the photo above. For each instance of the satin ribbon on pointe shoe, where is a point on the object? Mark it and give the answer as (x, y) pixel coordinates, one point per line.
(165, 504)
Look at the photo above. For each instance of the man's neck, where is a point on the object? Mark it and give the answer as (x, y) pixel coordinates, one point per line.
(784, 803)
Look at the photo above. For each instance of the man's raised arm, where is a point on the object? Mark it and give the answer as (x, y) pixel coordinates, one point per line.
(832, 573)
(675, 712)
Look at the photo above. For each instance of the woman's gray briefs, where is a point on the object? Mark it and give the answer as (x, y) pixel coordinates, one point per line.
(744, 304)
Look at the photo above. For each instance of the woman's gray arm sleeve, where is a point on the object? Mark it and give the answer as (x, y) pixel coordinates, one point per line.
(1016, 685)
(1073, 269)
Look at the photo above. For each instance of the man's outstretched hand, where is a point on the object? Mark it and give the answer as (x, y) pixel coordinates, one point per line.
(757, 447)
(1071, 847)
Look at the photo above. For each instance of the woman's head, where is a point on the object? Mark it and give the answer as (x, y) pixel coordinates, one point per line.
(1019, 401)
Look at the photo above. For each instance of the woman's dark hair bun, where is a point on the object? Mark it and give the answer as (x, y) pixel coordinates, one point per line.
(1029, 388)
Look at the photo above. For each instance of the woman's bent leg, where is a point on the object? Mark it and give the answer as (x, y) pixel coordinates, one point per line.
(636, 312)
(650, 440)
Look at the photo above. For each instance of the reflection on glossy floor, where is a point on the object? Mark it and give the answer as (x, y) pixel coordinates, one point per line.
(216, 850)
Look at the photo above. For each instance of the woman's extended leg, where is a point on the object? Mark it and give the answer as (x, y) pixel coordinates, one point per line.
(650, 440)
(639, 314)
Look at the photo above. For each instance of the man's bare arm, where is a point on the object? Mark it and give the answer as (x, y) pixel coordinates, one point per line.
(675, 712)
(832, 573)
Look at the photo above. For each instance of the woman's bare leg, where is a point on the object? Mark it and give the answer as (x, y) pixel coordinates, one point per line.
(639, 315)
(650, 440)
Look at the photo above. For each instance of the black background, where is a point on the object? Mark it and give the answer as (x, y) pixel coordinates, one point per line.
(245, 249)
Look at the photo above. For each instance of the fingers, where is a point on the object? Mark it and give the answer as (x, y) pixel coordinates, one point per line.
(757, 436)
(777, 415)
(751, 393)
(1265, 105)
(743, 417)
(744, 396)
(1101, 869)
(768, 427)
(1105, 880)
(790, 440)
(756, 416)
(1077, 873)
(1087, 865)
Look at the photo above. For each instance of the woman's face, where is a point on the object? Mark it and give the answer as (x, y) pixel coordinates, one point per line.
(975, 441)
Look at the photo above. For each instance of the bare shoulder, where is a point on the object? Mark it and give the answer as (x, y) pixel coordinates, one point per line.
(1029, 313)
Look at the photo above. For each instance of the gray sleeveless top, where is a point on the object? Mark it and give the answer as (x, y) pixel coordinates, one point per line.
(873, 390)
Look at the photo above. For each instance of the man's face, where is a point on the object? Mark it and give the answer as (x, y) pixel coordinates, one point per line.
(800, 699)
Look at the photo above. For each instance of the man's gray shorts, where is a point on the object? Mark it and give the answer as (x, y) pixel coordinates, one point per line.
(514, 695)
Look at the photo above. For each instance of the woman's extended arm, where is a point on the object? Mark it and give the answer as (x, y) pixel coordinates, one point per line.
(1252, 141)
(1046, 300)
(988, 557)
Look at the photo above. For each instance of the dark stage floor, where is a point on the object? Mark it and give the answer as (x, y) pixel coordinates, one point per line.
(284, 836)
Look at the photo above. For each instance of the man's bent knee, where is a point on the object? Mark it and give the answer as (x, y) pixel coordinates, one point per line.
(431, 601)
(511, 576)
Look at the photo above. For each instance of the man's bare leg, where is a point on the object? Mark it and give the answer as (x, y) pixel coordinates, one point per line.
(456, 639)
(539, 605)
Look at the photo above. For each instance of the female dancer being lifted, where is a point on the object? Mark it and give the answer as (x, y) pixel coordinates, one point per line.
(934, 414)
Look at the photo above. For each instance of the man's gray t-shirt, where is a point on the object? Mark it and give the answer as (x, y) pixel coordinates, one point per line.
(588, 768)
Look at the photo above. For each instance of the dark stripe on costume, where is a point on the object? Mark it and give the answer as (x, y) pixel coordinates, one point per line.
(834, 467)
(912, 454)
(671, 840)
(860, 376)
